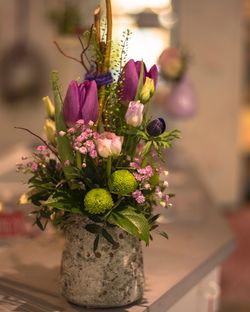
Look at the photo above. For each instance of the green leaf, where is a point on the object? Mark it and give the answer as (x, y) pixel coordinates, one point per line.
(146, 148)
(96, 242)
(39, 224)
(132, 222)
(142, 134)
(93, 228)
(153, 218)
(108, 237)
(164, 234)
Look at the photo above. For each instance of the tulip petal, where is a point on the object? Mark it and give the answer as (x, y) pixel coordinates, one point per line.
(130, 80)
(153, 74)
(138, 69)
(71, 106)
(89, 101)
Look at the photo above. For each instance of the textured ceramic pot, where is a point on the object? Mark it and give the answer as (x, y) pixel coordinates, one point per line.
(110, 277)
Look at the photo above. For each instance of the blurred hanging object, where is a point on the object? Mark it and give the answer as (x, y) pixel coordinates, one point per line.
(181, 102)
(21, 66)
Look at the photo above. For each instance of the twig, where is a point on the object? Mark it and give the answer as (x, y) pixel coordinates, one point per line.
(70, 57)
(41, 139)
(98, 24)
(88, 45)
(108, 36)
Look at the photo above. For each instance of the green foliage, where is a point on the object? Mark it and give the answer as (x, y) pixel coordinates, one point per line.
(160, 142)
(131, 221)
(100, 231)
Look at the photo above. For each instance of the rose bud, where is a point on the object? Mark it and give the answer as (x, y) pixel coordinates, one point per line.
(81, 102)
(109, 144)
(134, 114)
(156, 127)
(130, 79)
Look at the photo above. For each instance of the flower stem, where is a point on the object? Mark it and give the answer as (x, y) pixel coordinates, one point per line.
(109, 167)
(78, 160)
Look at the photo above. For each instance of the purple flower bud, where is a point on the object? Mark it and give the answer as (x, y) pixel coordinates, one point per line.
(156, 127)
(81, 102)
(130, 79)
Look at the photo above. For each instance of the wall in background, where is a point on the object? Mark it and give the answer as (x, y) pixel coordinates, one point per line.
(213, 33)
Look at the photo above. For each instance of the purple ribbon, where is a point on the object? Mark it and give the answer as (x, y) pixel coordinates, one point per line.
(100, 79)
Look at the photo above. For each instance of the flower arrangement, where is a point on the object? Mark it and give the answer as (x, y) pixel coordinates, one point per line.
(102, 150)
(173, 64)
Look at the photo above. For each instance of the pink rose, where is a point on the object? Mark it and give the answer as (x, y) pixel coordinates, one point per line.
(109, 144)
(134, 114)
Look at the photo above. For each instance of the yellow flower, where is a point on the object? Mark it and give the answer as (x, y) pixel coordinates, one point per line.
(50, 130)
(148, 90)
(50, 108)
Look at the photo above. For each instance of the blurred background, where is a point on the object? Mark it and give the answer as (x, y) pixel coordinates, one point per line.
(212, 159)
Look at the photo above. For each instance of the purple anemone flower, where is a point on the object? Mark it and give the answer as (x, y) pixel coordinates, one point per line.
(156, 127)
(130, 79)
(81, 102)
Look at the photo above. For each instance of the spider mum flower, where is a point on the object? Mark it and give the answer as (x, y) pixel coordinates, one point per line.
(98, 200)
(123, 182)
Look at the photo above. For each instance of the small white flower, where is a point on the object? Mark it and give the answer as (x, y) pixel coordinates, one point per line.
(159, 194)
(165, 183)
(165, 172)
(163, 204)
(62, 133)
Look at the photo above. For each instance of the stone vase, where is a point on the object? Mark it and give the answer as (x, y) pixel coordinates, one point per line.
(112, 276)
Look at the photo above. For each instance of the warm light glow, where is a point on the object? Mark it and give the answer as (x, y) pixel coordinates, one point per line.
(1, 206)
(146, 44)
(136, 6)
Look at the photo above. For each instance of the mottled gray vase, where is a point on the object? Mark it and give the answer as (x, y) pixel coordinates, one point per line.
(110, 277)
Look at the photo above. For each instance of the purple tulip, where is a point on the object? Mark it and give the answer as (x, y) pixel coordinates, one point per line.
(130, 79)
(81, 102)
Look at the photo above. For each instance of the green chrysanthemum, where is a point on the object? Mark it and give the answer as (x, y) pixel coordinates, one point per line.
(123, 182)
(98, 201)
